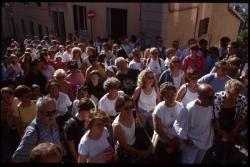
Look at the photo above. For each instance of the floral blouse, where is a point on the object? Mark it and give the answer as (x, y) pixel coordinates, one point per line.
(240, 106)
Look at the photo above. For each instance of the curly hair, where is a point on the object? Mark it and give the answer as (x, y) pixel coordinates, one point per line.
(111, 83)
(233, 85)
(98, 114)
(141, 80)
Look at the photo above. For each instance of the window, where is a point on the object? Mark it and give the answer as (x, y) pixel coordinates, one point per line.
(40, 31)
(32, 31)
(38, 4)
(203, 26)
(47, 30)
(23, 26)
(80, 20)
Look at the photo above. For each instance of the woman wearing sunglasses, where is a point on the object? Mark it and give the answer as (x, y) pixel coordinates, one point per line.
(146, 96)
(124, 131)
(188, 91)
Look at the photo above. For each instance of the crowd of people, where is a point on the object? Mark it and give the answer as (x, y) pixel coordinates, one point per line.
(124, 100)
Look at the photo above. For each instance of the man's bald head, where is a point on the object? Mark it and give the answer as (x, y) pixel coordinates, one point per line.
(205, 89)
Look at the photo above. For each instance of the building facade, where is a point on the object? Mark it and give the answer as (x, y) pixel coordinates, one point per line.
(171, 21)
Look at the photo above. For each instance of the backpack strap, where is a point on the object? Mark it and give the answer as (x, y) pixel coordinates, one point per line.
(185, 91)
(137, 99)
(38, 133)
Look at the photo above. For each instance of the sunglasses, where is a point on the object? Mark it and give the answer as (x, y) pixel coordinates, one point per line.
(150, 77)
(176, 61)
(49, 113)
(193, 77)
(129, 107)
(27, 96)
(208, 97)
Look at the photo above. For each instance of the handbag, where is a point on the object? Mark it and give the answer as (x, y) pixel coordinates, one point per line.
(142, 138)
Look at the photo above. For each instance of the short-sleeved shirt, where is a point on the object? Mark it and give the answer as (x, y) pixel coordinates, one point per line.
(74, 130)
(214, 81)
(91, 148)
(26, 114)
(168, 115)
(62, 103)
(107, 105)
(128, 81)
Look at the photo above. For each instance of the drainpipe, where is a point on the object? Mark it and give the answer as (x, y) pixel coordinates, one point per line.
(185, 9)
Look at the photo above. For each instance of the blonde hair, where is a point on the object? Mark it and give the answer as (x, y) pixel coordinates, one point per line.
(142, 76)
(75, 50)
(153, 49)
(233, 85)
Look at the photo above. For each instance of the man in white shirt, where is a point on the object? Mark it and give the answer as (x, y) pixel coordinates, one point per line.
(155, 63)
(195, 126)
(136, 63)
(67, 54)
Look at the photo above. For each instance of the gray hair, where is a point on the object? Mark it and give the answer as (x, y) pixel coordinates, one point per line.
(119, 59)
(111, 83)
(43, 101)
(59, 73)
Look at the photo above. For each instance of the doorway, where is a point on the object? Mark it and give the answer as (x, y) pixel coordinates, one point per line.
(118, 22)
(59, 25)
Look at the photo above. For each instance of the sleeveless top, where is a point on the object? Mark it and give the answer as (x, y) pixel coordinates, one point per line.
(189, 96)
(129, 133)
(147, 102)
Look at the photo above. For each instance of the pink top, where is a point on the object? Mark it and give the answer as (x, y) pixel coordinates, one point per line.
(75, 79)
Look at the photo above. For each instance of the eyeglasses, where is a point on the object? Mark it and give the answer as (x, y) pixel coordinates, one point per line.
(193, 77)
(49, 113)
(176, 61)
(155, 53)
(224, 69)
(208, 97)
(129, 107)
(27, 96)
(150, 77)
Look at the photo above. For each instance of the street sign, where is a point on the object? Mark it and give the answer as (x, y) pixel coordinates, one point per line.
(91, 14)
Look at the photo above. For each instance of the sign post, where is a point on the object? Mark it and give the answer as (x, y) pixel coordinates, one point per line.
(91, 15)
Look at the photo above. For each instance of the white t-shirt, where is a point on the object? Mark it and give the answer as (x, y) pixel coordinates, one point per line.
(177, 79)
(147, 102)
(62, 103)
(200, 129)
(92, 148)
(168, 115)
(66, 57)
(107, 105)
(155, 66)
(136, 66)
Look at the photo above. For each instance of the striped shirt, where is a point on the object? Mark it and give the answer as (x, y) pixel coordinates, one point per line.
(30, 139)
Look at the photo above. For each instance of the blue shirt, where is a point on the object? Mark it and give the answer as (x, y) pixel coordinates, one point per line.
(214, 81)
(30, 139)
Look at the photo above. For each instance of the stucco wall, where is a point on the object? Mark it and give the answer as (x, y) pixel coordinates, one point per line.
(224, 24)
(99, 22)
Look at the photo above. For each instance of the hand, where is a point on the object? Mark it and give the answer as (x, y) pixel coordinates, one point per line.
(215, 124)
(174, 143)
(188, 142)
